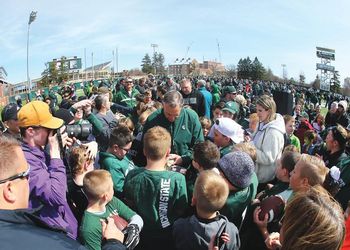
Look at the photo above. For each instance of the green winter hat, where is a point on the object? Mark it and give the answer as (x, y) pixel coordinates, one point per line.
(231, 107)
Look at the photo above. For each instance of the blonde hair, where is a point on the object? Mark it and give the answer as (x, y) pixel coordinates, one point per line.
(8, 147)
(248, 148)
(313, 220)
(128, 123)
(291, 148)
(241, 100)
(96, 183)
(210, 191)
(254, 117)
(267, 103)
(314, 169)
(77, 159)
(157, 142)
(205, 122)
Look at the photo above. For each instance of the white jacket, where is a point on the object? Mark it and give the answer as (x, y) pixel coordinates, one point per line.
(269, 142)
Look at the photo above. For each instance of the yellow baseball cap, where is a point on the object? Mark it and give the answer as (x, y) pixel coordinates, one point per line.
(37, 113)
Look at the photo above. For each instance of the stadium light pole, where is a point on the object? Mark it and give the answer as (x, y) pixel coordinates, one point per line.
(154, 46)
(32, 17)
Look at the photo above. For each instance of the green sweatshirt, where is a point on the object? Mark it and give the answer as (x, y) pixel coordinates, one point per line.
(119, 169)
(185, 131)
(159, 197)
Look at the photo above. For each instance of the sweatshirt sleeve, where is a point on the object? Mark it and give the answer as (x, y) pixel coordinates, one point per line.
(271, 146)
(49, 185)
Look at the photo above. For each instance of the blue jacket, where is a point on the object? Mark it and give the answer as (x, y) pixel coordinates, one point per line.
(21, 229)
(208, 100)
(48, 187)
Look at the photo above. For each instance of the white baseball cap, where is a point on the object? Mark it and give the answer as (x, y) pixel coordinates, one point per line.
(230, 128)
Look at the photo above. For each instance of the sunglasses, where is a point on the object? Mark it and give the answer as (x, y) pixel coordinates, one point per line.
(22, 175)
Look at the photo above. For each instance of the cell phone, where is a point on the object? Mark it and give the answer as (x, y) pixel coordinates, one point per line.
(218, 242)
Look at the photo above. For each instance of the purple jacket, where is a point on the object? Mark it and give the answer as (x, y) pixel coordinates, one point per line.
(48, 187)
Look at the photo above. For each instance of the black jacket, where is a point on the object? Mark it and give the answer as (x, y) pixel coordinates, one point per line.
(196, 101)
(21, 229)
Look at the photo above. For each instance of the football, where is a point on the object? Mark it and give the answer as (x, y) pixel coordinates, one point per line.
(120, 222)
(273, 206)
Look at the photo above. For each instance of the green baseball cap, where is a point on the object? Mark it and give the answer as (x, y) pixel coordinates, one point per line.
(231, 107)
(229, 89)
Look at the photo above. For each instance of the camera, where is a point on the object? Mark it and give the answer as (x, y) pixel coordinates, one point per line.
(79, 131)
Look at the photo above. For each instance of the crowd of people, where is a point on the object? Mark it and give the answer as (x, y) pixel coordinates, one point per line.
(175, 163)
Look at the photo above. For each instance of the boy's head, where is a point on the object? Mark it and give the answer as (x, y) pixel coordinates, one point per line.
(126, 121)
(205, 155)
(237, 169)
(210, 192)
(217, 110)
(310, 137)
(227, 131)
(248, 148)
(156, 143)
(289, 122)
(78, 161)
(120, 141)
(98, 186)
(253, 121)
(291, 148)
(206, 125)
(286, 165)
(309, 171)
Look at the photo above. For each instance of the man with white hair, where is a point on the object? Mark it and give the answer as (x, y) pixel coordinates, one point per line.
(183, 125)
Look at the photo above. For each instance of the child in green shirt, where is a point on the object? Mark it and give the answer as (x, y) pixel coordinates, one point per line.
(98, 187)
(115, 160)
(158, 195)
(289, 122)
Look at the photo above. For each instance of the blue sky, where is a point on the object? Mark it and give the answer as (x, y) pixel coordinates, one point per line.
(277, 32)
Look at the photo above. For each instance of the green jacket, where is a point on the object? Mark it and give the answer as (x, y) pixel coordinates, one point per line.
(226, 150)
(237, 202)
(343, 196)
(118, 169)
(123, 98)
(185, 131)
(215, 93)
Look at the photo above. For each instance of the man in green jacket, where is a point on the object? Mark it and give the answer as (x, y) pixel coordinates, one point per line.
(183, 125)
(126, 96)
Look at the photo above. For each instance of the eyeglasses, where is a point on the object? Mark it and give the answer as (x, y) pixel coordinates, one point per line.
(125, 149)
(22, 175)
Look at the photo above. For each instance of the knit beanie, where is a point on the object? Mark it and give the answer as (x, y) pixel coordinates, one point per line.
(238, 168)
(344, 104)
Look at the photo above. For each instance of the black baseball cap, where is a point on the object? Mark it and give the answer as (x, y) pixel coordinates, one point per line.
(9, 112)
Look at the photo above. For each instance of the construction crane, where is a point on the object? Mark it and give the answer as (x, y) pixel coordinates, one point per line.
(188, 49)
(217, 41)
